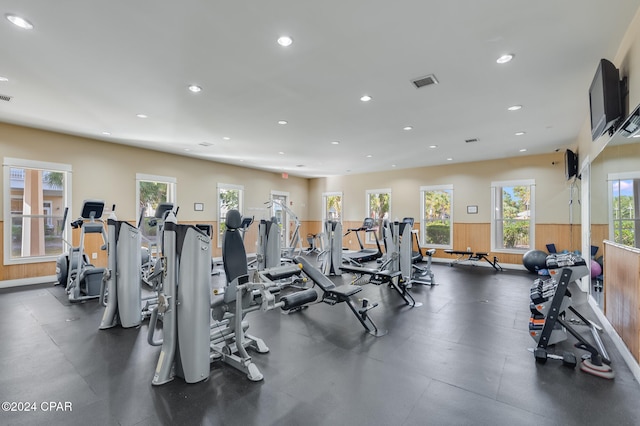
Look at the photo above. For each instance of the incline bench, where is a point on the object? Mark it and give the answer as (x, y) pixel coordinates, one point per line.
(466, 256)
(394, 279)
(332, 295)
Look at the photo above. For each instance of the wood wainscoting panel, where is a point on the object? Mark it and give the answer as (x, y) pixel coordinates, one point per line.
(622, 293)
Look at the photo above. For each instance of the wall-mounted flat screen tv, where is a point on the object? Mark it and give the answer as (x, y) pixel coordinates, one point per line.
(605, 98)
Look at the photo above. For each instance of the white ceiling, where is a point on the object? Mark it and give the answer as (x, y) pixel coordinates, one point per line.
(90, 66)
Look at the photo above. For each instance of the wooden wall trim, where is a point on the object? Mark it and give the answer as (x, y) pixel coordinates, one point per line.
(622, 293)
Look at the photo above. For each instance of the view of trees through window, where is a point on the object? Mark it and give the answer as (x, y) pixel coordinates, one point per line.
(512, 225)
(333, 207)
(378, 206)
(437, 217)
(229, 198)
(151, 195)
(626, 224)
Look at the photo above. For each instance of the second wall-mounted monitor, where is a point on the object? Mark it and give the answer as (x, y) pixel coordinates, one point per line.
(570, 164)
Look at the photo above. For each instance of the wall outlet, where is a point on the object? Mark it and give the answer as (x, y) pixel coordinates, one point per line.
(469, 249)
(94, 255)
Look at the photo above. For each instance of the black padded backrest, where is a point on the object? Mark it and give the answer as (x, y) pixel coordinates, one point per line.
(315, 274)
(234, 256)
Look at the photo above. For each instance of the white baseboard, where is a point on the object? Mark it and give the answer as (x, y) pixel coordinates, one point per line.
(27, 281)
(617, 340)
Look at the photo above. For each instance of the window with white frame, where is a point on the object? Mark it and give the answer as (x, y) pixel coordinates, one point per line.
(437, 216)
(512, 216)
(151, 191)
(624, 202)
(332, 206)
(378, 208)
(36, 195)
(229, 198)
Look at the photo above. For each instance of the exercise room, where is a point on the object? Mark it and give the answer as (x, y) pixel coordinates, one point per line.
(344, 213)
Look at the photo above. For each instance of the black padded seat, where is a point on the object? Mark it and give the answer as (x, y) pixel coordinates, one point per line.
(344, 290)
(326, 285)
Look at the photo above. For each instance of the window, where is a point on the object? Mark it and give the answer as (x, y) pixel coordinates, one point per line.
(378, 208)
(151, 191)
(280, 199)
(512, 217)
(624, 200)
(332, 206)
(437, 216)
(229, 198)
(36, 195)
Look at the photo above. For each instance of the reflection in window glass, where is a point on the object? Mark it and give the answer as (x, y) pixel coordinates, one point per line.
(37, 194)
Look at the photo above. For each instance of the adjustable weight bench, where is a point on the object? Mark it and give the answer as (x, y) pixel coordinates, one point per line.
(394, 279)
(466, 256)
(332, 295)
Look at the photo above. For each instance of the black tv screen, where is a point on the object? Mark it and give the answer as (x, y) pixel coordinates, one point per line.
(604, 98)
(570, 164)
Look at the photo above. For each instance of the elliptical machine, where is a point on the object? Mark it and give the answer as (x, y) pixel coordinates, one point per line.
(121, 293)
(81, 278)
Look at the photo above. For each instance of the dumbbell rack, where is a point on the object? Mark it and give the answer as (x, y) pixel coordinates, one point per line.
(550, 300)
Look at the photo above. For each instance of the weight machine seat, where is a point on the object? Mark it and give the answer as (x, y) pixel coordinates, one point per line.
(234, 256)
(342, 292)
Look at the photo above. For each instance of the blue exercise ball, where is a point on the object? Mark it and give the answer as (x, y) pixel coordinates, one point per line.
(534, 260)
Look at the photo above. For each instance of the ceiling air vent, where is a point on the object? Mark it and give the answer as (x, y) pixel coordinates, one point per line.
(5, 98)
(425, 81)
(471, 140)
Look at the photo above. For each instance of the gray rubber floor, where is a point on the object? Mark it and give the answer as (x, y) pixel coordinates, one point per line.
(460, 359)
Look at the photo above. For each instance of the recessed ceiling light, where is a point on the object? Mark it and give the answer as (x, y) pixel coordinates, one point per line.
(369, 155)
(142, 116)
(365, 98)
(393, 165)
(449, 159)
(433, 146)
(335, 143)
(281, 153)
(226, 138)
(285, 41)
(3, 78)
(106, 133)
(523, 150)
(636, 136)
(282, 122)
(187, 149)
(505, 58)
(19, 21)
(514, 107)
(194, 88)
(407, 128)
(520, 133)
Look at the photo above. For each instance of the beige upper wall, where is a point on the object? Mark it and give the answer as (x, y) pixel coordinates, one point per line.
(627, 60)
(107, 171)
(471, 183)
